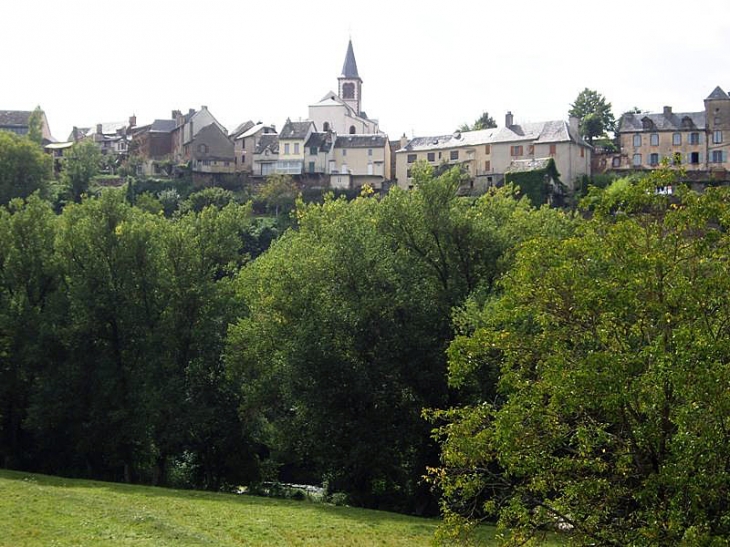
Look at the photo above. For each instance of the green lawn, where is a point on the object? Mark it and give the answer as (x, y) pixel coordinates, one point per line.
(42, 510)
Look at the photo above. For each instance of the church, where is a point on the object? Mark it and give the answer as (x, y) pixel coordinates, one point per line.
(342, 112)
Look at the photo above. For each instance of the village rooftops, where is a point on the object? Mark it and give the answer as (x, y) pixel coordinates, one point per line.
(718, 94)
(360, 141)
(268, 141)
(295, 130)
(255, 129)
(663, 121)
(163, 126)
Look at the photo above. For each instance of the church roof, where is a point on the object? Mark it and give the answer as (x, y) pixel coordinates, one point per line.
(349, 69)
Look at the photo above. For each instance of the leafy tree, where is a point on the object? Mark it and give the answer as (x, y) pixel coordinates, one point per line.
(485, 121)
(24, 168)
(594, 113)
(35, 126)
(278, 191)
(80, 164)
(214, 196)
(611, 415)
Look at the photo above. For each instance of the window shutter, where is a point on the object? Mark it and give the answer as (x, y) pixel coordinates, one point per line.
(724, 156)
(701, 137)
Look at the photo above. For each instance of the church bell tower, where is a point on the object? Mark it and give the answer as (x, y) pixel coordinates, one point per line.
(350, 84)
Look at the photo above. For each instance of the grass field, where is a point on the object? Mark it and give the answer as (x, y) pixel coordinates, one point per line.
(40, 510)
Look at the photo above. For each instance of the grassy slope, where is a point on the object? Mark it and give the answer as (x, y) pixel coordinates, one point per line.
(42, 510)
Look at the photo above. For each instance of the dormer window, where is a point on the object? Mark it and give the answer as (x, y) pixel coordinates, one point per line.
(646, 123)
(202, 148)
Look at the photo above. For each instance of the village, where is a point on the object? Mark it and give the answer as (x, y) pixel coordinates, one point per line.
(339, 146)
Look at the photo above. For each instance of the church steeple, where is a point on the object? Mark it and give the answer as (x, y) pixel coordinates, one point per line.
(350, 83)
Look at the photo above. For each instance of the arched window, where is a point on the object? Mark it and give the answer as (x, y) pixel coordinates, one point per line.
(348, 91)
(352, 130)
(326, 127)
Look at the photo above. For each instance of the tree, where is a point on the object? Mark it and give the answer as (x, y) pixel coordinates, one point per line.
(80, 164)
(278, 191)
(594, 113)
(24, 168)
(485, 121)
(611, 415)
(35, 126)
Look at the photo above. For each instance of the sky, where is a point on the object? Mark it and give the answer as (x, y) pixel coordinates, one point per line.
(426, 66)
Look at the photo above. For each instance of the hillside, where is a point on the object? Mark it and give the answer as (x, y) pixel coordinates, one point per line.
(43, 510)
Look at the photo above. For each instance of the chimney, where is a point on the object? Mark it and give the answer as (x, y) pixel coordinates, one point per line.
(175, 114)
(574, 123)
(191, 111)
(75, 133)
(403, 141)
(204, 107)
(508, 119)
(132, 120)
(98, 129)
(667, 110)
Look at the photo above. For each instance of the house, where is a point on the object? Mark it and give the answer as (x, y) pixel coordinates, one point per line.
(698, 141)
(292, 138)
(266, 155)
(112, 138)
(318, 152)
(360, 159)
(486, 155)
(246, 139)
(212, 151)
(342, 112)
(57, 151)
(18, 122)
(187, 127)
(153, 145)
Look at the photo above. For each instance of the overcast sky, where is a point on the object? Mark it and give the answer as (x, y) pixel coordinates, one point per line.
(426, 66)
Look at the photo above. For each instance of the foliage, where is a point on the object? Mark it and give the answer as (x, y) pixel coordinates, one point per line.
(594, 113)
(611, 415)
(24, 168)
(485, 121)
(214, 196)
(35, 126)
(80, 164)
(540, 186)
(279, 191)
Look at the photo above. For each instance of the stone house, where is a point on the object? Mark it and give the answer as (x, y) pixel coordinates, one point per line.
(18, 122)
(292, 140)
(358, 160)
(212, 151)
(266, 155)
(246, 142)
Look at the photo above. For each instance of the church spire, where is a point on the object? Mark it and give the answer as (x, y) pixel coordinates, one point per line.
(349, 69)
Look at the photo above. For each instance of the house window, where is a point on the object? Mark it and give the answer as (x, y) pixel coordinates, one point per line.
(352, 130)
(296, 148)
(694, 138)
(203, 148)
(654, 139)
(408, 173)
(552, 149)
(454, 155)
(653, 159)
(694, 157)
(432, 156)
(516, 150)
(487, 165)
(717, 156)
(326, 127)
(717, 137)
(411, 158)
(311, 167)
(616, 162)
(313, 151)
(344, 151)
(370, 151)
(582, 152)
(637, 160)
(676, 139)
(286, 148)
(487, 148)
(637, 140)
(531, 149)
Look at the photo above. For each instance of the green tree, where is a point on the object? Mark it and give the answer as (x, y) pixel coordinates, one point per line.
(35, 126)
(485, 121)
(278, 191)
(24, 168)
(594, 113)
(80, 164)
(612, 406)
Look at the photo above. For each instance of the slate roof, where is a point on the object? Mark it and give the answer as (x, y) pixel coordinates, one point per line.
(268, 141)
(255, 129)
(360, 141)
(349, 68)
(294, 130)
(660, 121)
(245, 126)
(163, 126)
(323, 141)
(14, 118)
(718, 93)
